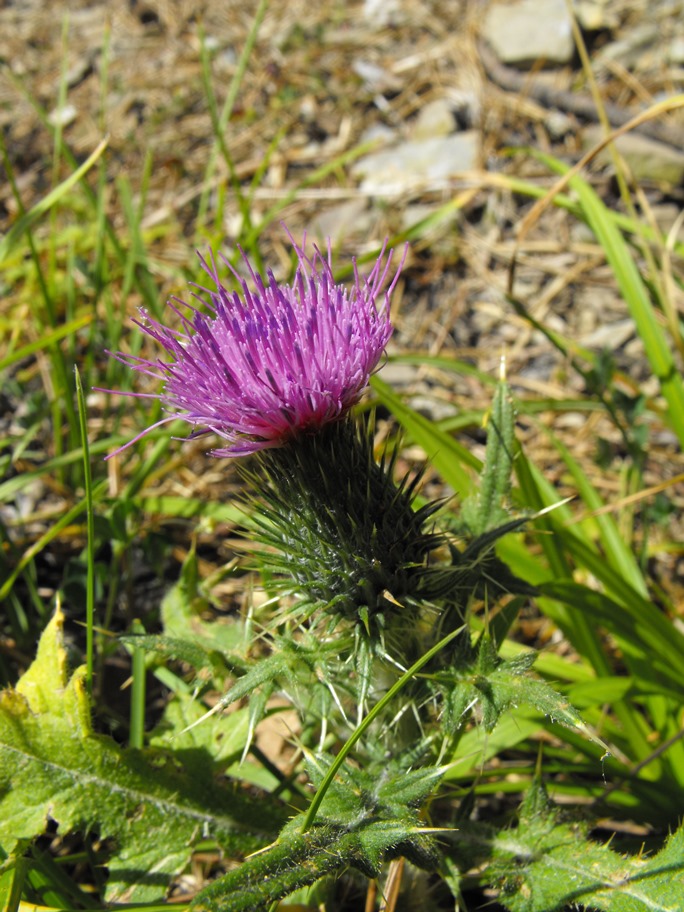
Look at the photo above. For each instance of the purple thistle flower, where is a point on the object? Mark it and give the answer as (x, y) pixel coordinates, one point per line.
(268, 364)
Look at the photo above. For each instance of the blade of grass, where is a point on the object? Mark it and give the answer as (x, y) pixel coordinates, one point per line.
(189, 508)
(57, 142)
(58, 390)
(12, 883)
(525, 406)
(149, 465)
(150, 300)
(99, 266)
(578, 627)
(55, 885)
(636, 295)
(55, 335)
(137, 720)
(618, 552)
(648, 639)
(136, 269)
(90, 543)
(672, 103)
(219, 124)
(26, 221)
(451, 459)
(47, 537)
(441, 362)
(10, 488)
(623, 177)
(522, 187)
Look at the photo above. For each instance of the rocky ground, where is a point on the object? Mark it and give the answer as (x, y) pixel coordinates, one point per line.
(443, 88)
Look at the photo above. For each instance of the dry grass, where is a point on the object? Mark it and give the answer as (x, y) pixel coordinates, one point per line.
(322, 77)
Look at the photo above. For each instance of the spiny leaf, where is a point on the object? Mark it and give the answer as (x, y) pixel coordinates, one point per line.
(152, 806)
(365, 820)
(196, 655)
(548, 865)
(484, 509)
(222, 737)
(490, 686)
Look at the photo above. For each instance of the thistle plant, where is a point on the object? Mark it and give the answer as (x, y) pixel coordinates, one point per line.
(370, 616)
(275, 372)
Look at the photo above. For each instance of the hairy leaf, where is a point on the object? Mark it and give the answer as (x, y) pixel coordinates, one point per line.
(546, 863)
(550, 864)
(151, 806)
(488, 686)
(366, 819)
(485, 509)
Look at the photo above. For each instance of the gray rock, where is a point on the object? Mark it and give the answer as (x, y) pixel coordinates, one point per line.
(646, 158)
(630, 48)
(63, 116)
(398, 374)
(432, 408)
(594, 15)
(376, 78)
(418, 163)
(380, 134)
(675, 54)
(435, 119)
(381, 13)
(609, 336)
(350, 218)
(530, 30)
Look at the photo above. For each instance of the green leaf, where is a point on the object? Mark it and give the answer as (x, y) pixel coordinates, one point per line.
(636, 294)
(367, 818)
(490, 686)
(548, 865)
(182, 611)
(151, 806)
(484, 510)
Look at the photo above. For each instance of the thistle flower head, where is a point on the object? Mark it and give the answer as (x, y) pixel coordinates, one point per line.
(263, 365)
